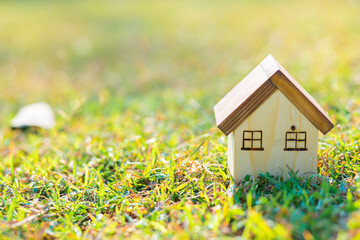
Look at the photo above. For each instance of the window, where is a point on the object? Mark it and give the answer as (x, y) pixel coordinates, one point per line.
(252, 140)
(295, 141)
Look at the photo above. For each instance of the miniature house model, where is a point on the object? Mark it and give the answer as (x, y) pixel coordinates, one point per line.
(272, 124)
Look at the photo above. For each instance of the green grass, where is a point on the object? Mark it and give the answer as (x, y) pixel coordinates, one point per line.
(135, 152)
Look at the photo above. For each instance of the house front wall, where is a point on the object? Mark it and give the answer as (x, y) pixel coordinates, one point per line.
(274, 118)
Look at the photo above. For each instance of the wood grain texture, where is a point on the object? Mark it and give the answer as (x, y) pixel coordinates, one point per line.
(231, 151)
(247, 107)
(236, 101)
(302, 100)
(274, 117)
(256, 88)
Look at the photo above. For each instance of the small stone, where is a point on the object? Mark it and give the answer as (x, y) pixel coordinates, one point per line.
(35, 115)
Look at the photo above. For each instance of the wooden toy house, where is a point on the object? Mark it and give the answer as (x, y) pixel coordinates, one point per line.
(271, 122)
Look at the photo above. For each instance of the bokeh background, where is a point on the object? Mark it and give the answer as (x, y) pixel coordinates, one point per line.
(158, 56)
(136, 150)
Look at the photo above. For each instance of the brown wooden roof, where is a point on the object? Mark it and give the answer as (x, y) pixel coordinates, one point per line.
(258, 86)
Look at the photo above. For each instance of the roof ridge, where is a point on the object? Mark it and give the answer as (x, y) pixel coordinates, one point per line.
(252, 91)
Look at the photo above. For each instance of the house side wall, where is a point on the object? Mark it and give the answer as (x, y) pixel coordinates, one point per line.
(274, 117)
(231, 154)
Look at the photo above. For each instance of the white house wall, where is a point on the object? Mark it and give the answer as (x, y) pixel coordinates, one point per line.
(274, 117)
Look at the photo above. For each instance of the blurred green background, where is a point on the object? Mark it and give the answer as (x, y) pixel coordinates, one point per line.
(151, 56)
(133, 84)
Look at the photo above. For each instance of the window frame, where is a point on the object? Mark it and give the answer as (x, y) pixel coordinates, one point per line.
(296, 140)
(251, 140)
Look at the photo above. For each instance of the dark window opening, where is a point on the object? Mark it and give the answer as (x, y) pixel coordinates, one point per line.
(252, 140)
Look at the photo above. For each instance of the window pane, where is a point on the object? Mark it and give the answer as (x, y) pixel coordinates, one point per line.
(290, 144)
(247, 144)
(256, 144)
(257, 135)
(290, 135)
(247, 134)
(301, 136)
(301, 144)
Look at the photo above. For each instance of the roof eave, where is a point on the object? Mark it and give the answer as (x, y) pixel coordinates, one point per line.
(302, 100)
(272, 77)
